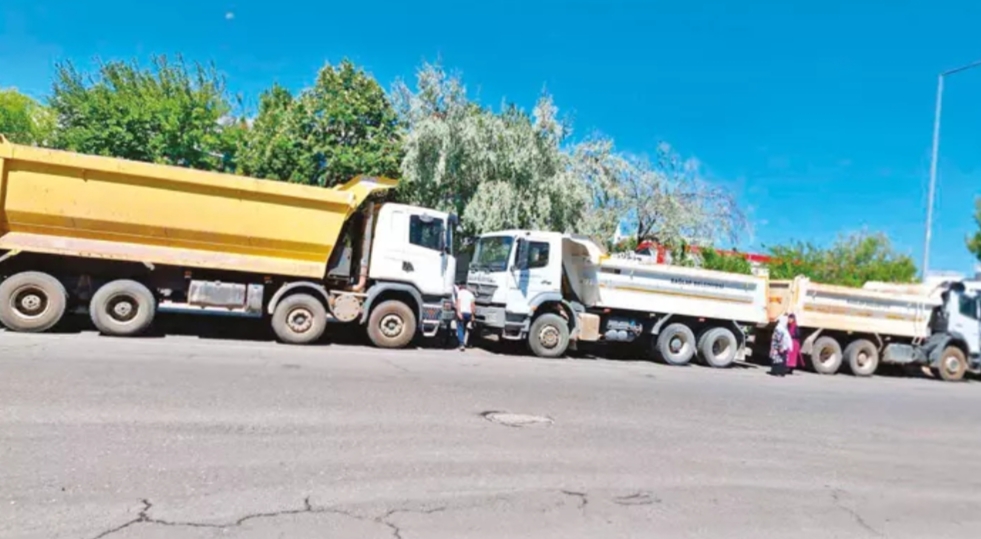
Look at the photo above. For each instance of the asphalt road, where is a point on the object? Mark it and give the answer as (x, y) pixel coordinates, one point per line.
(190, 438)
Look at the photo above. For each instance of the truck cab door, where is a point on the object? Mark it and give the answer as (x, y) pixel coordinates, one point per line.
(425, 261)
(536, 269)
(965, 319)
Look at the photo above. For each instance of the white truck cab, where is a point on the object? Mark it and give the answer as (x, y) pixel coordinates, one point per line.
(954, 346)
(552, 289)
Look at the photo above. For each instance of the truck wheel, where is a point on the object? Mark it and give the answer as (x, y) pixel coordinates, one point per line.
(826, 355)
(953, 364)
(122, 308)
(862, 357)
(32, 302)
(676, 344)
(299, 319)
(717, 347)
(392, 325)
(549, 336)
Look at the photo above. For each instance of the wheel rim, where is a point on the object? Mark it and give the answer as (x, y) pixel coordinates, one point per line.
(952, 365)
(676, 344)
(720, 348)
(863, 359)
(392, 325)
(29, 302)
(299, 320)
(122, 308)
(826, 356)
(549, 336)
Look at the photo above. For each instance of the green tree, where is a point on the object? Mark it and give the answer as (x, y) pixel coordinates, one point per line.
(269, 149)
(169, 113)
(24, 120)
(974, 242)
(729, 262)
(344, 125)
(852, 260)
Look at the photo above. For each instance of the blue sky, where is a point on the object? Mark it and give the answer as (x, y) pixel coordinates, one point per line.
(817, 114)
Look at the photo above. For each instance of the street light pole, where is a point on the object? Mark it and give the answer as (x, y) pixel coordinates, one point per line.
(933, 160)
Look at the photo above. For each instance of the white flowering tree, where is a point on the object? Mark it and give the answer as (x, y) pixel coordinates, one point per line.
(669, 201)
(496, 170)
(509, 169)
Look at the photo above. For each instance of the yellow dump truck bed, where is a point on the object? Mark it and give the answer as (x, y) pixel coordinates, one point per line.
(81, 205)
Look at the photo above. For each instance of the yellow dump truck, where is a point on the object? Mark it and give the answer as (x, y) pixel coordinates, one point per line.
(936, 325)
(123, 240)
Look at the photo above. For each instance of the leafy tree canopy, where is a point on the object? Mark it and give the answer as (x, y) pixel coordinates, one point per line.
(342, 126)
(852, 260)
(974, 241)
(24, 120)
(169, 113)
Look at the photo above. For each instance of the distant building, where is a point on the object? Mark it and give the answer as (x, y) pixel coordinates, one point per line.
(662, 255)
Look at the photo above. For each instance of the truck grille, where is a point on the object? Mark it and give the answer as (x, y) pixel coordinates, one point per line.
(483, 293)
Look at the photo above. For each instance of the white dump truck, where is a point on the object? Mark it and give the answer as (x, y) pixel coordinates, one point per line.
(551, 289)
(932, 324)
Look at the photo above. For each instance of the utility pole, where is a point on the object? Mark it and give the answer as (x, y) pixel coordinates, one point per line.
(931, 191)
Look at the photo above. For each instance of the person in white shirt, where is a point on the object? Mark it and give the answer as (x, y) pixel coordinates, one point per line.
(464, 313)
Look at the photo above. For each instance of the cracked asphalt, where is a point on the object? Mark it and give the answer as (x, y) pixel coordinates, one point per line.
(183, 437)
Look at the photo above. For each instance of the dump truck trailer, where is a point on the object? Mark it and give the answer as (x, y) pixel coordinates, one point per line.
(124, 240)
(551, 289)
(921, 324)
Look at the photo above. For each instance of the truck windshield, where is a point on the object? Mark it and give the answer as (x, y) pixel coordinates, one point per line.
(491, 253)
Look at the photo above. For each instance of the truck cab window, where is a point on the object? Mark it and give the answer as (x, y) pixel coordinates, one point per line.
(537, 254)
(426, 233)
(968, 306)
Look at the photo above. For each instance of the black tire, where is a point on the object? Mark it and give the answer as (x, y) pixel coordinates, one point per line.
(32, 302)
(862, 357)
(676, 344)
(549, 336)
(122, 308)
(952, 366)
(299, 319)
(718, 347)
(392, 324)
(826, 356)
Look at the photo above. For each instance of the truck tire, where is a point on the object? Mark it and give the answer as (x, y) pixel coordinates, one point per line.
(953, 365)
(392, 324)
(549, 336)
(122, 308)
(676, 344)
(32, 302)
(718, 347)
(299, 319)
(826, 356)
(862, 357)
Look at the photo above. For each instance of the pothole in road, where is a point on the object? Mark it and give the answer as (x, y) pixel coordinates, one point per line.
(516, 420)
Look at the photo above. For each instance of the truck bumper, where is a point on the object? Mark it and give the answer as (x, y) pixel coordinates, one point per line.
(496, 319)
(436, 316)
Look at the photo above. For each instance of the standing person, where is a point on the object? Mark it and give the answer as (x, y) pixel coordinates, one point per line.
(780, 347)
(464, 313)
(794, 360)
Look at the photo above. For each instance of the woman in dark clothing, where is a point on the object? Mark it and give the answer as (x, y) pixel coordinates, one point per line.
(780, 347)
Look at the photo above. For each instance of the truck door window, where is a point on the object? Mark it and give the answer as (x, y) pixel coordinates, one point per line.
(968, 306)
(537, 254)
(426, 233)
